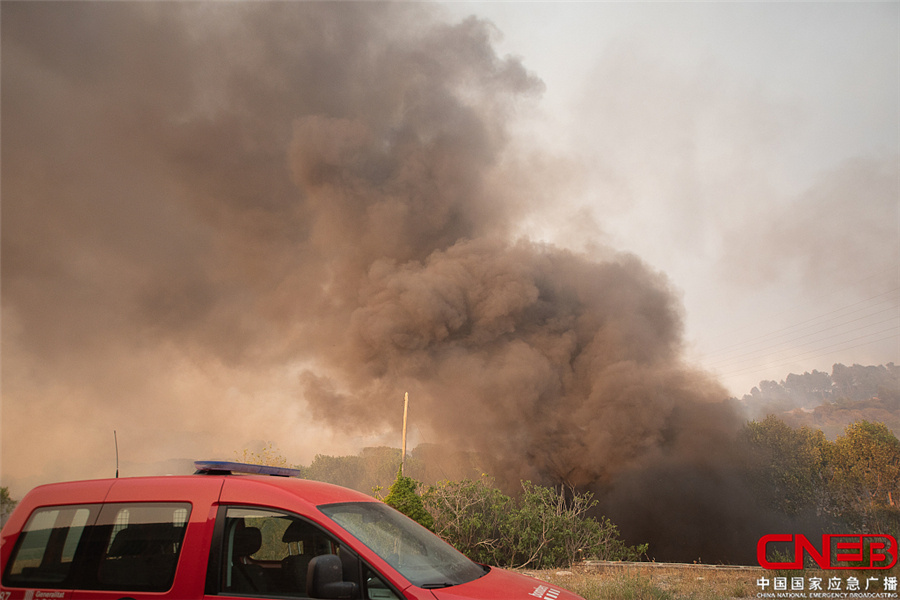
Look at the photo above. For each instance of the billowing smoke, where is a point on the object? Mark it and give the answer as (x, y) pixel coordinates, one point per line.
(329, 190)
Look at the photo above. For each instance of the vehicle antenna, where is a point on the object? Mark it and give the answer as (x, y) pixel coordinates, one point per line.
(116, 440)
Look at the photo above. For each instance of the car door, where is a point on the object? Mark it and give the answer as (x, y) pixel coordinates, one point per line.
(264, 552)
(151, 539)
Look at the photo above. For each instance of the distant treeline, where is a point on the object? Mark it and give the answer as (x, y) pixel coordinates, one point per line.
(831, 402)
(374, 469)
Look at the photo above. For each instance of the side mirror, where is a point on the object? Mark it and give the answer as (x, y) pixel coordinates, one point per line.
(324, 579)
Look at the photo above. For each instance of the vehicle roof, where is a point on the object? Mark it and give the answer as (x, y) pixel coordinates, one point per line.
(314, 492)
(247, 489)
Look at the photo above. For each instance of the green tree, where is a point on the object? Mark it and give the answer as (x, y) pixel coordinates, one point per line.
(787, 466)
(372, 470)
(864, 466)
(404, 497)
(346, 471)
(270, 456)
(7, 505)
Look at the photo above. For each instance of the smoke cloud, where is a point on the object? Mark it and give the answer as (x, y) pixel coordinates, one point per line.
(233, 221)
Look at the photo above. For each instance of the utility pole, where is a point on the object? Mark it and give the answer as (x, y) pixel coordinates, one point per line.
(405, 408)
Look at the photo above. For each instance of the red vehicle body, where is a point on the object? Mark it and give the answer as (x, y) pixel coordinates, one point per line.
(217, 534)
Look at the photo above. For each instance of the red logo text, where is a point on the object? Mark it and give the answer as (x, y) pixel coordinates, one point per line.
(836, 551)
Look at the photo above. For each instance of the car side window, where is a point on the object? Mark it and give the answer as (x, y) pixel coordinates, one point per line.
(267, 553)
(45, 552)
(143, 544)
(122, 547)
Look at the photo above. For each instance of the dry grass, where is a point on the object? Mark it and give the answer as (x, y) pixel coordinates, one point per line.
(654, 581)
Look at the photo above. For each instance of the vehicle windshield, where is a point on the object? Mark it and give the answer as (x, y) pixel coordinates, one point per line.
(417, 554)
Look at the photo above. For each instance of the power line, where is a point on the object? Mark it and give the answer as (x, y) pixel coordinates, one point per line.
(877, 315)
(743, 344)
(883, 276)
(809, 355)
(728, 361)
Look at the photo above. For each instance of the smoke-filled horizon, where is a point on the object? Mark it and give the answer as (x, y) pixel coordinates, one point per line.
(233, 222)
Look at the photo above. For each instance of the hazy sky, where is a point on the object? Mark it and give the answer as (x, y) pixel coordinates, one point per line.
(749, 150)
(227, 224)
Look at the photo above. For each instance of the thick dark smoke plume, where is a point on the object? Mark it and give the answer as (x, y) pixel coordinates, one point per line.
(330, 189)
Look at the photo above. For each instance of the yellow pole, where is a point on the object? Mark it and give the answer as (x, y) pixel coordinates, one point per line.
(405, 408)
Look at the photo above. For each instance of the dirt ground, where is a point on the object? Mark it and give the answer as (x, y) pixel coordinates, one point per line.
(654, 581)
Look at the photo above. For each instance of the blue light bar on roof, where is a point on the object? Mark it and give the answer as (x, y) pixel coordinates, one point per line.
(225, 467)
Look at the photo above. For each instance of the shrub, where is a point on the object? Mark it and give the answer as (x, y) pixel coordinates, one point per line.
(403, 497)
(545, 528)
